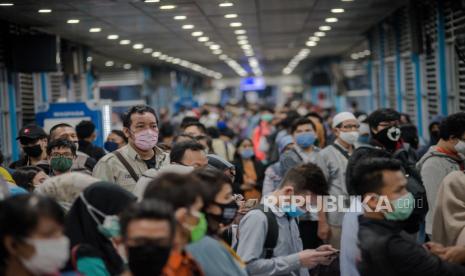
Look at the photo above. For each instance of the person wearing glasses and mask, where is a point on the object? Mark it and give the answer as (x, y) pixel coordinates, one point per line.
(345, 128)
(61, 155)
(126, 165)
(386, 140)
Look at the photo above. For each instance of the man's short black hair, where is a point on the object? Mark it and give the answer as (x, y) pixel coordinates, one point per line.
(382, 115)
(306, 177)
(314, 114)
(61, 143)
(188, 120)
(302, 121)
(147, 209)
(85, 129)
(120, 133)
(453, 126)
(58, 126)
(197, 124)
(180, 190)
(140, 109)
(368, 174)
(179, 149)
(178, 137)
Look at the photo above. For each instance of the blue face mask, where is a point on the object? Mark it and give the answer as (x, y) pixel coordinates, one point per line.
(364, 139)
(247, 153)
(305, 139)
(110, 146)
(293, 211)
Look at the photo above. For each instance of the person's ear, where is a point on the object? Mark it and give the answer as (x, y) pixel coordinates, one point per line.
(126, 131)
(93, 136)
(181, 215)
(374, 130)
(288, 190)
(371, 200)
(15, 248)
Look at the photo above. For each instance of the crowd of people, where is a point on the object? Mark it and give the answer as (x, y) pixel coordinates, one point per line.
(237, 191)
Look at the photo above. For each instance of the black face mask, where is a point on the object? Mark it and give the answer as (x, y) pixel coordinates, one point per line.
(388, 137)
(228, 213)
(33, 151)
(148, 259)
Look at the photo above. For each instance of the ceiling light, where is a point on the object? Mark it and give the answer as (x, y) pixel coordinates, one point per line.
(325, 28)
(156, 54)
(152, 1)
(347, 0)
(240, 32)
(6, 4)
(72, 21)
(169, 59)
(314, 38)
(310, 43)
(354, 56)
(167, 7)
(235, 24)
(248, 54)
(187, 27)
(180, 17)
(331, 19)
(337, 10)
(112, 37)
(125, 42)
(138, 46)
(109, 63)
(209, 43)
(197, 33)
(176, 60)
(203, 39)
(226, 4)
(214, 47)
(163, 57)
(89, 59)
(217, 52)
(45, 11)
(230, 15)
(320, 34)
(95, 30)
(127, 66)
(147, 50)
(242, 42)
(366, 52)
(223, 57)
(241, 37)
(246, 46)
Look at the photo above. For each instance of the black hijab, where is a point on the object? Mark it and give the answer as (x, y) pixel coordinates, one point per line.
(81, 228)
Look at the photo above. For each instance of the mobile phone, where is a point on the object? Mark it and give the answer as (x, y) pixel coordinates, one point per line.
(250, 203)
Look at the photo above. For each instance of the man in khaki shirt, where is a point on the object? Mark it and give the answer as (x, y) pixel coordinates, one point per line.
(141, 153)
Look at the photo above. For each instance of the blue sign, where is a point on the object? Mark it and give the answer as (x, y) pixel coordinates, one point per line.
(72, 114)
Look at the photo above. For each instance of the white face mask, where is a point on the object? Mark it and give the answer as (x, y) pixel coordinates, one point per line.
(50, 256)
(460, 147)
(349, 137)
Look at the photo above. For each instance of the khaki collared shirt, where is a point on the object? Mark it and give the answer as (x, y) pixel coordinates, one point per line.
(109, 168)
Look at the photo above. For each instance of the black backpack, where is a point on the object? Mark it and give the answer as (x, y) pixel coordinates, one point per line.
(272, 234)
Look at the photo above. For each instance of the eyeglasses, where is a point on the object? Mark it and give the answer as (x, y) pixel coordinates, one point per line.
(65, 155)
(348, 127)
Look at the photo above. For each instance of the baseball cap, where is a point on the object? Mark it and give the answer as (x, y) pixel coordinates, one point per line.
(31, 131)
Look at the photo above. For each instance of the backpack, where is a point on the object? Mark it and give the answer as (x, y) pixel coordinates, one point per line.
(272, 234)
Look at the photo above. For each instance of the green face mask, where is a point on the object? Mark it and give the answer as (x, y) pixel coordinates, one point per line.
(61, 164)
(402, 208)
(199, 231)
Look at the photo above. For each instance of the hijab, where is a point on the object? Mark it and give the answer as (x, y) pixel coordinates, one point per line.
(81, 228)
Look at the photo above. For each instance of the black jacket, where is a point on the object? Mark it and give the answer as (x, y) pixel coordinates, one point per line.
(414, 185)
(91, 150)
(387, 251)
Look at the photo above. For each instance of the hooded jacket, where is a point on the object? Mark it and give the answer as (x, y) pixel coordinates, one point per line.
(434, 166)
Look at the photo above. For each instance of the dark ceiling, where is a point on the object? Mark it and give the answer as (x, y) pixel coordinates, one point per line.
(276, 29)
